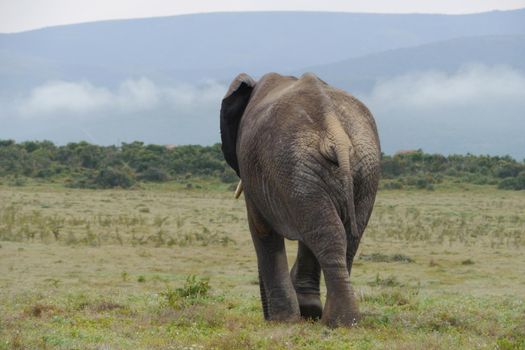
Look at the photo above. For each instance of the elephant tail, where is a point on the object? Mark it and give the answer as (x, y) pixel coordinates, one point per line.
(337, 147)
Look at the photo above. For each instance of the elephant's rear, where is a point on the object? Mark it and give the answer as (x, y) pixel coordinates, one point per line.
(303, 148)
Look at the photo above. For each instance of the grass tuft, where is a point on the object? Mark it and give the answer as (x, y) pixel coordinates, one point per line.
(390, 281)
(467, 262)
(379, 257)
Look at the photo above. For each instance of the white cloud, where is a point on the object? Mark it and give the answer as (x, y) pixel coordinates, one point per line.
(62, 96)
(477, 109)
(472, 85)
(141, 94)
(189, 95)
(83, 99)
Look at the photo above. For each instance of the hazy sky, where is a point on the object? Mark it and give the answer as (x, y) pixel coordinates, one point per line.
(20, 15)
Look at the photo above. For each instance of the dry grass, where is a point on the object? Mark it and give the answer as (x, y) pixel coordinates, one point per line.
(95, 269)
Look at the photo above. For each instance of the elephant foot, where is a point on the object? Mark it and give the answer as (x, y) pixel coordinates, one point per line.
(283, 312)
(310, 306)
(283, 306)
(338, 316)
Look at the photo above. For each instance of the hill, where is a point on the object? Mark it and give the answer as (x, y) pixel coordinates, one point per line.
(449, 56)
(218, 45)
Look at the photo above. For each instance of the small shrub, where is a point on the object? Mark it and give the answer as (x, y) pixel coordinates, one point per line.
(451, 172)
(141, 279)
(513, 183)
(393, 185)
(114, 177)
(509, 343)
(39, 310)
(154, 175)
(81, 181)
(432, 263)
(17, 181)
(172, 297)
(194, 289)
(467, 262)
(508, 170)
(229, 176)
(390, 281)
(422, 183)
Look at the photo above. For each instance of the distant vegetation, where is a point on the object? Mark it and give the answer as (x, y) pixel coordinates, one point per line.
(84, 165)
(423, 170)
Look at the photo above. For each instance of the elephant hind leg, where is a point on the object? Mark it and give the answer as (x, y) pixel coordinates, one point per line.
(329, 242)
(277, 292)
(306, 274)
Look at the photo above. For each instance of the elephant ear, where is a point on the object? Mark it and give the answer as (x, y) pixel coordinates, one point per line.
(232, 108)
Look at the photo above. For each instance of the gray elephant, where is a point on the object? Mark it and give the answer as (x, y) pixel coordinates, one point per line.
(308, 156)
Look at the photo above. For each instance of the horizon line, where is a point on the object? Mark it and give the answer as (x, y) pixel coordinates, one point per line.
(258, 11)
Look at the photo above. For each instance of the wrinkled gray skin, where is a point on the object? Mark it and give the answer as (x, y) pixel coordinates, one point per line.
(308, 156)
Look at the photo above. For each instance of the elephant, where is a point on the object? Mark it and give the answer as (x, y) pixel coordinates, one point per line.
(308, 157)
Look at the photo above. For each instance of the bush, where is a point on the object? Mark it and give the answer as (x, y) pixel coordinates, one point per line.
(81, 181)
(393, 185)
(194, 289)
(92, 166)
(421, 182)
(154, 175)
(17, 181)
(229, 176)
(114, 177)
(508, 170)
(513, 183)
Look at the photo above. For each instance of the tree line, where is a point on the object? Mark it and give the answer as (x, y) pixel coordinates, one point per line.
(86, 165)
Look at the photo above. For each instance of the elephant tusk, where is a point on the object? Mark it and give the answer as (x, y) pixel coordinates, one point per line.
(238, 191)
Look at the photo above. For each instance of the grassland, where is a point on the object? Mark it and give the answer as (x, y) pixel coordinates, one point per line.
(108, 269)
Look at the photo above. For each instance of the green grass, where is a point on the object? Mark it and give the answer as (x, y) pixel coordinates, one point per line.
(165, 267)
